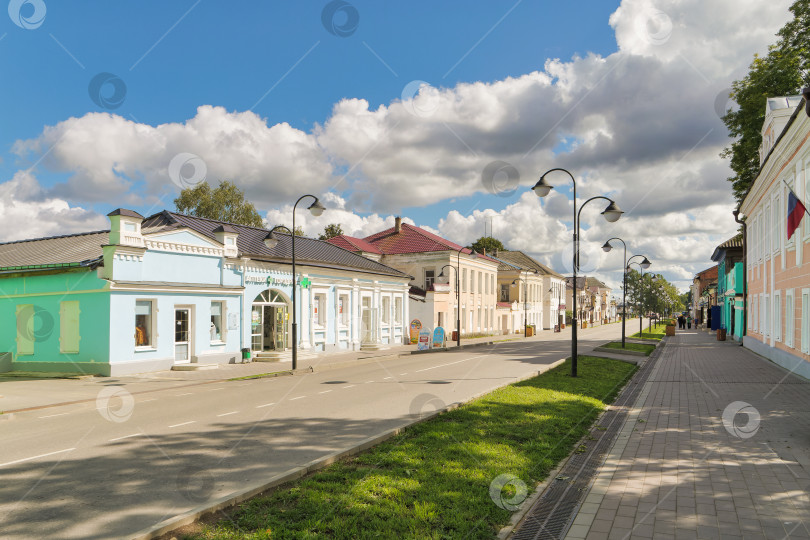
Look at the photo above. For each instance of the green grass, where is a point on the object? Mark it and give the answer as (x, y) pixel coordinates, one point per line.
(640, 347)
(656, 332)
(433, 480)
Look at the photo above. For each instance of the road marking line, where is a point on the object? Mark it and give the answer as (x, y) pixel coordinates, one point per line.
(299, 397)
(213, 389)
(183, 424)
(52, 415)
(144, 401)
(367, 382)
(186, 394)
(36, 457)
(265, 405)
(386, 378)
(401, 374)
(350, 386)
(325, 392)
(125, 437)
(444, 365)
(228, 413)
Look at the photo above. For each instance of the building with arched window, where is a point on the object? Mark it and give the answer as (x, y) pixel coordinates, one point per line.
(172, 290)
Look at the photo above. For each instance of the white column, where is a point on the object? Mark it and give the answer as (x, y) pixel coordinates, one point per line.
(354, 322)
(305, 316)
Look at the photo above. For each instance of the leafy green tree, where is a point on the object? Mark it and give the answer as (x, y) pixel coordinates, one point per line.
(783, 71)
(224, 203)
(330, 231)
(488, 244)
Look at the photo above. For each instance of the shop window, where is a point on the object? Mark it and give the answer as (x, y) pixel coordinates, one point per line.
(144, 323)
(343, 309)
(398, 310)
(318, 309)
(790, 316)
(69, 326)
(777, 317)
(386, 309)
(217, 319)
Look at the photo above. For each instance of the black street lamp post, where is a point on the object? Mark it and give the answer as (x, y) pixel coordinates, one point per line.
(316, 208)
(612, 213)
(458, 302)
(607, 247)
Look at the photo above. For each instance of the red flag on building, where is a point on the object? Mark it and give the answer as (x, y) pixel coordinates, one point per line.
(795, 213)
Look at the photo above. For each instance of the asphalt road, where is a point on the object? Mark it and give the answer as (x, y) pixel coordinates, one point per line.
(110, 468)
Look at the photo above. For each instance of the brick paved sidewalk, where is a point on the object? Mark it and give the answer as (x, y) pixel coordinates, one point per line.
(677, 470)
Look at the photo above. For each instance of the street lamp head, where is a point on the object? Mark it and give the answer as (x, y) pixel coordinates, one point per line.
(514, 282)
(542, 188)
(612, 213)
(271, 240)
(316, 208)
(646, 263)
(607, 247)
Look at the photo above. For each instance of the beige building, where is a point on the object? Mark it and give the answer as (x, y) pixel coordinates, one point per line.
(432, 261)
(530, 290)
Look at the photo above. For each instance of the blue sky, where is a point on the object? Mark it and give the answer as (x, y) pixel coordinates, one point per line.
(629, 98)
(232, 57)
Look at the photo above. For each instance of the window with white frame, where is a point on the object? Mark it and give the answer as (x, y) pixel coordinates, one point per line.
(766, 316)
(806, 321)
(751, 317)
(766, 238)
(144, 323)
(319, 309)
(775, 236)
(464, 280)
(217, 319)
(777, 316)
(480, 285)
(386, 309)
(398, 309)
(755, 313)
(790, 318)
(504, 292)
(343, 309)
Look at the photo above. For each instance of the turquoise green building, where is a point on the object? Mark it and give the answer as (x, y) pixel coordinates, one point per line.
(731, 286)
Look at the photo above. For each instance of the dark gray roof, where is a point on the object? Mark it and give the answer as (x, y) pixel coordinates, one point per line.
(125, 212)
(519, 259)
(53, 250)
(250, 242)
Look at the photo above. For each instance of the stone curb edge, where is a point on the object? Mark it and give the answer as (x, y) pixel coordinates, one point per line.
(187, 518)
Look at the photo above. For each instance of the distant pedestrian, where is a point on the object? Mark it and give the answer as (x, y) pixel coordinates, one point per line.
(689, 322)
(681, 322)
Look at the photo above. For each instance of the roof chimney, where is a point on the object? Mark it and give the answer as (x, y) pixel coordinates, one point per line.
(495, 252)
(398, 224)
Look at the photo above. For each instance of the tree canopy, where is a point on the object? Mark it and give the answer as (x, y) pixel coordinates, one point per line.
(330, 231)
(783, 71)
(488, 244)
(224, 203)
(653, 294)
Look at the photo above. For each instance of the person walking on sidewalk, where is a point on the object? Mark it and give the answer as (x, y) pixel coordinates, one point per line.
(689, 322)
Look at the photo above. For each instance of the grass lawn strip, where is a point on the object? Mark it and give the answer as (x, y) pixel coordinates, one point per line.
(656, 332)
(433, 480)
(640, 347)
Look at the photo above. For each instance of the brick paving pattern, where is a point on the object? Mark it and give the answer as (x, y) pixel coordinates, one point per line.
(680, 473)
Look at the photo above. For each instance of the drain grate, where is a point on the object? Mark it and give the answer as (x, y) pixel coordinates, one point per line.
(552, 514)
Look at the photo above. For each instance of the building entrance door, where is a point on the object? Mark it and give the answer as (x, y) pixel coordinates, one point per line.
(182, 343)
(269, 321)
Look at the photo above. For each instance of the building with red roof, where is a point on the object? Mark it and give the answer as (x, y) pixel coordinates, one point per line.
(450, 282)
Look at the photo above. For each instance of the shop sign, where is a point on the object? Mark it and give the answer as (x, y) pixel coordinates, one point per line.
(271, 281)
(439, 337)
(416, 325)
(424, 339)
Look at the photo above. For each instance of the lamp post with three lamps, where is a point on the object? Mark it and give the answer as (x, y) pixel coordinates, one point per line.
(643, 265)
(612, 213)
(271, 240)
(473, 255)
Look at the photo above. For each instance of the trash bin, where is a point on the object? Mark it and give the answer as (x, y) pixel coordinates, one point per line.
(454, 336)
(721, 334)
(245, 355)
